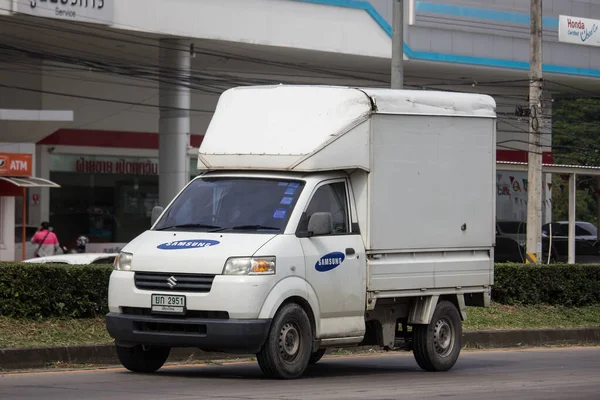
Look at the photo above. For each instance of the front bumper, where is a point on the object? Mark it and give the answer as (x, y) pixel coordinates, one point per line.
(242, 296)
(231, 335)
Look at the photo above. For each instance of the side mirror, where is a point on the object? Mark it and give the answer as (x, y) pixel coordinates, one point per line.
(156, 211)
(320, 223)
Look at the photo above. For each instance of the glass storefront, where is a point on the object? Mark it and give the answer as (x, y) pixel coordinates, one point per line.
(108, 199)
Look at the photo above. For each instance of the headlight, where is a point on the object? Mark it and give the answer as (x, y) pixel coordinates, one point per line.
(249, 266)
(123, 262)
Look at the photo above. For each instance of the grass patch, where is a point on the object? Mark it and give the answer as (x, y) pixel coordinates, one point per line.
(499, 317)
(15, 333)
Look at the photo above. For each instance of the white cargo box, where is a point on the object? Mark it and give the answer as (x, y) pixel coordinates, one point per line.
(426, 159)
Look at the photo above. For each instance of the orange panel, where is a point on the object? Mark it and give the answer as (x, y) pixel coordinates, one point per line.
(15, 164)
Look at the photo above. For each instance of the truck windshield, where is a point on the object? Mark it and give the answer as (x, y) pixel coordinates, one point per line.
(233, 204)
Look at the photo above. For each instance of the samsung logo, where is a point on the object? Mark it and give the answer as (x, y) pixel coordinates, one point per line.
(329, 261)
(187, 244)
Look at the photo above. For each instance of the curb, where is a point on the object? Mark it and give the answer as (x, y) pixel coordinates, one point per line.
(538, 337)
(106, 355)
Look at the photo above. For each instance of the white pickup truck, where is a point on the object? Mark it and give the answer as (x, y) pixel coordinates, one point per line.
(323, 217)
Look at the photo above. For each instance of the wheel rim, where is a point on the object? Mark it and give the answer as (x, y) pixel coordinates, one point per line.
(443, 337)
(289, 342)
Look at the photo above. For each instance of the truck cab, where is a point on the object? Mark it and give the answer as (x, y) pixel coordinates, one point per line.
(284, 246)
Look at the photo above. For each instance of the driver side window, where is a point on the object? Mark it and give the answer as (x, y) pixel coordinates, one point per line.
(332, 199)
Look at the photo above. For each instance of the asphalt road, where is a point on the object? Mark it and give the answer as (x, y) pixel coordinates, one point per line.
(572, 373)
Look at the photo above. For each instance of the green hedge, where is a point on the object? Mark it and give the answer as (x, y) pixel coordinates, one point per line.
(554, 284)
(51, 290)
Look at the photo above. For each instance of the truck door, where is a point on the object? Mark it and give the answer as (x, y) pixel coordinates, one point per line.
(336, 263)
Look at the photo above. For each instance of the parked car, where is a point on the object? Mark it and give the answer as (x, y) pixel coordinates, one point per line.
(76, 259)
(583, 230)
(585, 251)
(508, 250)
(516, 230)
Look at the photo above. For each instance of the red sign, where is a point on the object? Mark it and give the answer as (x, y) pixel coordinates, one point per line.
(15, 164)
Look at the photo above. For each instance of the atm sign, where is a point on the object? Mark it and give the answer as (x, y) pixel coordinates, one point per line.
(15, 164)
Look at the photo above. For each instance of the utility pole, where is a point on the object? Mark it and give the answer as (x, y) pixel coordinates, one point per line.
(398, 45)
(534, 169)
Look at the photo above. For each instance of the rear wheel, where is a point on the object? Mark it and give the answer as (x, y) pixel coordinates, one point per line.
(144, 359)
(287, 350)
(437, 345)
(316, 356)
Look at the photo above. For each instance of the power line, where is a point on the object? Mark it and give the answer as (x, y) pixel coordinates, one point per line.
(197, 49)
(100, 99)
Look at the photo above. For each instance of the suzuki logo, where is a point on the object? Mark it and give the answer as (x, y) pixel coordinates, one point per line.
(172, 282)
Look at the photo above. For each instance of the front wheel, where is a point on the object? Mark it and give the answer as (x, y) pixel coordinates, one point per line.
(288, 347)
(437, 345)
(144, 359)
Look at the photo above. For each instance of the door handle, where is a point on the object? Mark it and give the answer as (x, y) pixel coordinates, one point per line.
(350, 251)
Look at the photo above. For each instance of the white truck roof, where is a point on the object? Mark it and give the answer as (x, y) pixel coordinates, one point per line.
(313, 128)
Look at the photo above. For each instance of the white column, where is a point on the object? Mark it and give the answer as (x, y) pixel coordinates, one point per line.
(572, 209)
(7, 229)
(174, 120)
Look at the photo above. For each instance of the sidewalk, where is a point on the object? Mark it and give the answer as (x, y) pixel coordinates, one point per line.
(105, 354)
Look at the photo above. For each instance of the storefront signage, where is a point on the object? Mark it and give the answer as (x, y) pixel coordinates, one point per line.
(15, 164)
(576, 30)
(92, 164)
(120, 166)
(93, 11)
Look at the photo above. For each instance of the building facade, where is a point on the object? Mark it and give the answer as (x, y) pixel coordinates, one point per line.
(103, 91)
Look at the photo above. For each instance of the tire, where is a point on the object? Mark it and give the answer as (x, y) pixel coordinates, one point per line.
(316, 356)
(288, 347)
(436, 346)
(143, 359)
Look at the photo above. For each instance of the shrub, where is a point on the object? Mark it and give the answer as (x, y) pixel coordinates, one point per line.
(53, 290)
(81, 291)
(554, 284)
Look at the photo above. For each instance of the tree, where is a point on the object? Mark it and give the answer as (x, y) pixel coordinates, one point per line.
(576, 140)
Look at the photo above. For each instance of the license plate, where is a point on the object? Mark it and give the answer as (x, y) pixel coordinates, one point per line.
(168, 304)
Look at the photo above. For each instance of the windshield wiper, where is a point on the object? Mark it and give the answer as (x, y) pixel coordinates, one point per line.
(206, 226)
(249, 227)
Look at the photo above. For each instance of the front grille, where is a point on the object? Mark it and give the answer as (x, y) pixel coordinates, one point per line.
(188, 313)
(193, 283)
(166, 327)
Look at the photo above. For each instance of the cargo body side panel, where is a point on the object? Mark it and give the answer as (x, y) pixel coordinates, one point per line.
(431, 202)
(452, 271)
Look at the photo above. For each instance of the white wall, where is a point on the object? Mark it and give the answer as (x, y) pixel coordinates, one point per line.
(267, 22)
(5, 5)
(28, 76)
(117, 114)
(27, 148)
